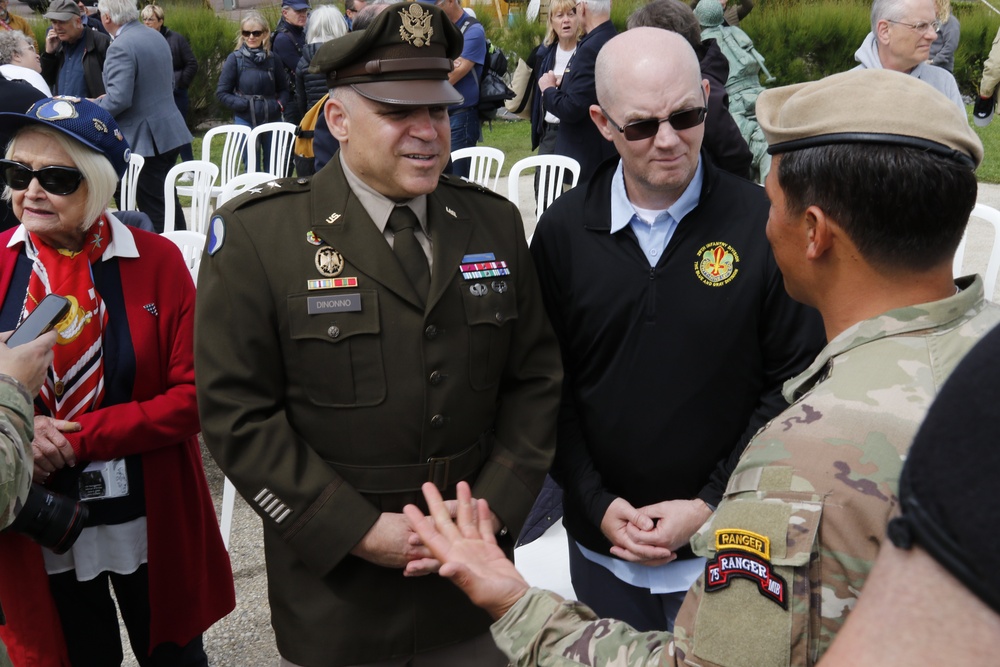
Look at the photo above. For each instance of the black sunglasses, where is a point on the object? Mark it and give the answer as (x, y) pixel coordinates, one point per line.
(55, 180)
(638, 130)
(255, 33)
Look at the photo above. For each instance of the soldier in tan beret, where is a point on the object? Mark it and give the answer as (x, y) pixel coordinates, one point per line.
(366, 330)
(871, 187)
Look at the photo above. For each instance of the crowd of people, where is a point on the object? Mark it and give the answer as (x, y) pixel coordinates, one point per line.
(721, 381)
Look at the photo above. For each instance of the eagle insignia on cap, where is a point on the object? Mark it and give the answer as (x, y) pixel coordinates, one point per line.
(416, 28)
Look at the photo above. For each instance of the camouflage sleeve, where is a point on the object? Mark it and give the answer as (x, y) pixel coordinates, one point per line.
(16, 431)
(545, 630)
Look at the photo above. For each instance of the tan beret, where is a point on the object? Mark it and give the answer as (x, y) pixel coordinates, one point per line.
(873, 106)
(402, 58)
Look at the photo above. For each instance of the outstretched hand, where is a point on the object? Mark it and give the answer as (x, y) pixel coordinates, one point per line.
(467, 549)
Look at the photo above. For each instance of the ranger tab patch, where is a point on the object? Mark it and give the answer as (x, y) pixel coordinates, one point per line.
(743, 540)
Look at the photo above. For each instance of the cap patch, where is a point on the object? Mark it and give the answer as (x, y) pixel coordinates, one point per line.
(416, 28)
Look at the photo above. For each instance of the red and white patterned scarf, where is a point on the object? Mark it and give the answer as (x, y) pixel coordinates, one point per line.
(75, 382)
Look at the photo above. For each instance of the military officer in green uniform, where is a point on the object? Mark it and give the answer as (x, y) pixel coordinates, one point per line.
(871, 187)
(365, 331)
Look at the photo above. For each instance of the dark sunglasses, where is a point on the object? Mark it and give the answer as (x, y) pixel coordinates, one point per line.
(638, 130)
(255, 33)
(55, 180)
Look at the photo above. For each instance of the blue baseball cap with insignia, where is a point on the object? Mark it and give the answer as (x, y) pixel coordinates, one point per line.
(78, 119)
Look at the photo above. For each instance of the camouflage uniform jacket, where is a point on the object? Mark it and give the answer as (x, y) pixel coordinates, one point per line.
(803, 515)
(16, 431)
(17, 427)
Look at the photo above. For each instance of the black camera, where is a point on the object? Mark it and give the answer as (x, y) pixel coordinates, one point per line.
(51, 519)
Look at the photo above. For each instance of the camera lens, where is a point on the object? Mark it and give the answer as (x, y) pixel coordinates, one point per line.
(51, 519)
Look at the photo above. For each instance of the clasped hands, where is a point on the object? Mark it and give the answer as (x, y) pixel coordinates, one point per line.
(393, 542)
(651, 535)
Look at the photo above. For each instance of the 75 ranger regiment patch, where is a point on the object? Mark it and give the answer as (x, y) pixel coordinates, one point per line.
(744, 555)
(717, 264)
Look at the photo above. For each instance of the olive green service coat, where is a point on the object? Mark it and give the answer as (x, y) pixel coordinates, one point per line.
(322, 421)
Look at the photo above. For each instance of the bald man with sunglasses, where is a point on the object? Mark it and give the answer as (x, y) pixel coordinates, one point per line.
(675, 329)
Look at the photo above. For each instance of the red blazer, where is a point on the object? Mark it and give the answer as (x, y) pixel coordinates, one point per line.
(190, 577)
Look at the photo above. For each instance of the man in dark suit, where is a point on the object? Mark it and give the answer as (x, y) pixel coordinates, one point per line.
(363, 331)
(570, 100)
(139, 78)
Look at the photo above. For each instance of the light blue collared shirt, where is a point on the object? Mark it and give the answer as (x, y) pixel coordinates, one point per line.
(653, 238)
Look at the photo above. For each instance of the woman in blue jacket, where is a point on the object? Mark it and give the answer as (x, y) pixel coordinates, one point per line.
(253, 82)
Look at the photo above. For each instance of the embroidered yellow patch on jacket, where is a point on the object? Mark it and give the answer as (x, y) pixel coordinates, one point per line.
(718, 264)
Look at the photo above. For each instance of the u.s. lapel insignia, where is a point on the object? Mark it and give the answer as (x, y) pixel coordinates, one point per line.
(329, 262)
(334, 217)
(450, 212)
(416, 26)
(312, 239)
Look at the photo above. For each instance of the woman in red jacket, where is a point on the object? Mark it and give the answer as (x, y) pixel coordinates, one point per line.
(116, 422)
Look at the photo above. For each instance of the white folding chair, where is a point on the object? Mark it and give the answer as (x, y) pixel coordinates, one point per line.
(205, 174)
(992, 216)
(228, 503)
(191, 244)
(282, 137)
(242, 183)
(552, 170)
(129, 181)
(485, 164)
(234, 140)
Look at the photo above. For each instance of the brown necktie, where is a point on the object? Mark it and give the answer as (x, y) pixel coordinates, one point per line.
(402, 222)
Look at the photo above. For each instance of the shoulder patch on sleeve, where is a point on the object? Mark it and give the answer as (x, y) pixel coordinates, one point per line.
(216, 234)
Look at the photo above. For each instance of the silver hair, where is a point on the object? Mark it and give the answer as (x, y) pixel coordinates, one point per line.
(119, 11)
(325, 23)
(888, 10)
(12, 42)
(97, 171)
(602, 7)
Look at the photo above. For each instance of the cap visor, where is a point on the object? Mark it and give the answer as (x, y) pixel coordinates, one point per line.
(411, 93)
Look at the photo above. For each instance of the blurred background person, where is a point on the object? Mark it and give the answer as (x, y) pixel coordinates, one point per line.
(20, 62)
(325, 23)
(119, 397)
(563, 34)
(73, 61)
(184, 63)
(943, 48)
(90, 18)
(10, 21)
(139, 82)
(351, 9)
(288, 41)
(253, 82)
